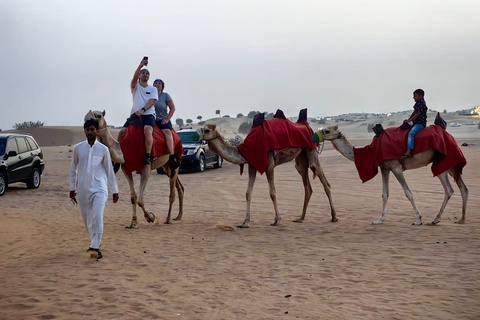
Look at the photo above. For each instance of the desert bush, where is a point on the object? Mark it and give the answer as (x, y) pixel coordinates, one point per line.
(245, 127)
(27, 124)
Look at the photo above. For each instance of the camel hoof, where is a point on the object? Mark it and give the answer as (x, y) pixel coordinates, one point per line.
(177, 219)
(150, 217)
(300, 220)
(435, 222)
(334, 220)
(460, 221)
(167, 222)
(377, 222)
(417, 223)
(131, 226)
(243, 226)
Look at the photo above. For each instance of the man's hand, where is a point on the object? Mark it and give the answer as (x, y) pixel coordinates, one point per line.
(143, 63)
(73, 195)
(164, 121)
(115, 197)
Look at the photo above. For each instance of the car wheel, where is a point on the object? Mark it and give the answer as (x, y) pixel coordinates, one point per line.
(3, 184)
(35, 179)
(219, 163)
(201, 163)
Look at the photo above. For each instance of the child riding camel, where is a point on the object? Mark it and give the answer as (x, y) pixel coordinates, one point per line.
(419, 119)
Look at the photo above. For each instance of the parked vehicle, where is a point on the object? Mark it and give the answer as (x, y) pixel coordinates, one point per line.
(21, 160)
(196, 154)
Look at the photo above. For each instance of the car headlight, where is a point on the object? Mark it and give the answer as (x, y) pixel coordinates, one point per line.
(191, 151)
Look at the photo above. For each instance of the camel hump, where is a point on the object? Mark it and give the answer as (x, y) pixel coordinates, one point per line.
(302, 115)
(279, 114)
(258, 119)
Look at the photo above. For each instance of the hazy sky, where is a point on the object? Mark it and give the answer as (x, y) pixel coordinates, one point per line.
(59, 58)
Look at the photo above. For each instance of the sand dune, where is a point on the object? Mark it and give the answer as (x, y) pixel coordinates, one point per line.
(194, 270)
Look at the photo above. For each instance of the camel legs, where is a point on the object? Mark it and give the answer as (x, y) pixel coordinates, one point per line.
(139, 200)
(252, 174)
(449, 192)
(133, 200)
(463, 191)
(385, 193)
(301, 164)
(443, 177)
(317, 169)
(273, 193)
(173, 184)
(181, 192)
(397, 171)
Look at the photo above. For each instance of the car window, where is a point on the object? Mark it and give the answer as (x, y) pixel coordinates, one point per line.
(32, 144)
(3, 144)
(12, 146)
(22, 145)
(189, 137)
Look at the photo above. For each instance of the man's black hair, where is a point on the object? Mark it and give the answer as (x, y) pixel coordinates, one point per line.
(420, 92)
(90, 122)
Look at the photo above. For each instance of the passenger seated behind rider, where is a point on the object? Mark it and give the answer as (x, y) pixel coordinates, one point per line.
(419, 119)
(163, 119)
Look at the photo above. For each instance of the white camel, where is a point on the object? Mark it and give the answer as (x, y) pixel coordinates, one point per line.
(422, 159)
(105, 137)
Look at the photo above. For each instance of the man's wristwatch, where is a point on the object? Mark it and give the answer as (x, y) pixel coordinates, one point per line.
(144, 110)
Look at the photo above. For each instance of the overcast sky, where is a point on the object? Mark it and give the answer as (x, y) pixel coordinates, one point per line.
(59, 59)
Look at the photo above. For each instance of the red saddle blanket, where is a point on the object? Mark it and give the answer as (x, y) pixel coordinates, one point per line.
(133, 147)
(274, 134)
(392, 144)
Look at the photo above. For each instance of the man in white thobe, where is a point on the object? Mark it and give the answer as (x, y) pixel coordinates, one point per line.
(90, 172)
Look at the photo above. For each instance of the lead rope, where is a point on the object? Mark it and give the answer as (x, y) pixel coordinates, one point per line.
(320, 147)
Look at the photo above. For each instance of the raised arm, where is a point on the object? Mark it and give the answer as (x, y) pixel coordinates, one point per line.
(143, 63)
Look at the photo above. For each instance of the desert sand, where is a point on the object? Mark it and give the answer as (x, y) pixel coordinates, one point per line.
(193, 270)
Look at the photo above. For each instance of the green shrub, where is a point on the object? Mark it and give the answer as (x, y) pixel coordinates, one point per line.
(28, 124)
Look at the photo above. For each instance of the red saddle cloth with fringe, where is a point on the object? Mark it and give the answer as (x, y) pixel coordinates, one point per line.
(392, 144)
(133, 147)
(274, 134)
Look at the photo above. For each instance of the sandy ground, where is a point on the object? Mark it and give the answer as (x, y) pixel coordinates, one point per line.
(193, 270)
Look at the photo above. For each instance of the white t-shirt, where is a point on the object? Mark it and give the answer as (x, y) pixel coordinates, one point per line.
(141, 96)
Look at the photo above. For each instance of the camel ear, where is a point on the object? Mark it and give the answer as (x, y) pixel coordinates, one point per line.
(103, 113)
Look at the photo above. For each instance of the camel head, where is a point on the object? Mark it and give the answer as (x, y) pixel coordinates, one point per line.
(209, 132)
(97, 115)
(329, 133)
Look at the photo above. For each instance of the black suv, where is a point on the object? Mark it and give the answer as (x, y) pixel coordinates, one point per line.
(196, 154)
(21, 160)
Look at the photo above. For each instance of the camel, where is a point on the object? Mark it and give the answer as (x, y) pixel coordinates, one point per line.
(304, 159)
(105, 137)
(397, 167)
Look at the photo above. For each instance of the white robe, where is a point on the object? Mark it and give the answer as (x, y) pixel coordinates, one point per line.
(90, 172)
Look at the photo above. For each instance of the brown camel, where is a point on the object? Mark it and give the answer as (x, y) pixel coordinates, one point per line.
(304, 159)
(105, 137)
(422, 159)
